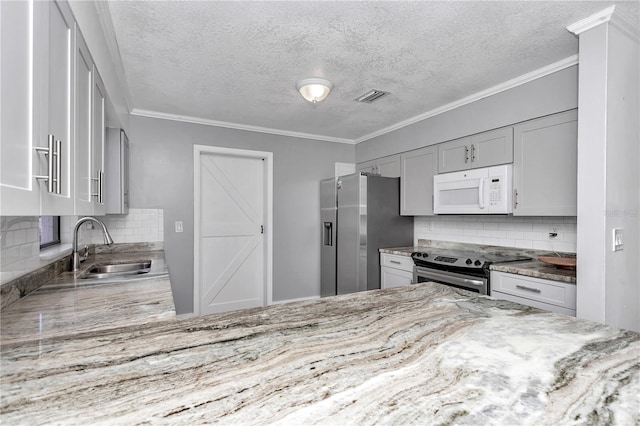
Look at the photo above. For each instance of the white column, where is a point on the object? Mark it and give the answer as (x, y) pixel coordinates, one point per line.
(608, 163)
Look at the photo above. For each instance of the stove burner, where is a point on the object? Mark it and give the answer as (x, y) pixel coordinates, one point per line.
(458, 259)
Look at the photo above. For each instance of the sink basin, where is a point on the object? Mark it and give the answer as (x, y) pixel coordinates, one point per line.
(117, 269)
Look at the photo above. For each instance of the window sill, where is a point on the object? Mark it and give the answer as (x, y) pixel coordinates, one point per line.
(46, 257)
(56, 252)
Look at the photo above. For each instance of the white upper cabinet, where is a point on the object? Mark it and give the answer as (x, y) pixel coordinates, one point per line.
(99, 99)
(19, 191)
(481, 150)
(545, 166)
(492, 148)
(385, 166)
(37, 101)
(90, 96)
(416, 181)
(52, 140)
(53, 56)
(82, 125)
(116, 162)
(389, 166)
(367, 167)
(454, 155)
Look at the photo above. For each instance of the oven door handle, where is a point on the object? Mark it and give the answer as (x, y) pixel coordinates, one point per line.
(449, 278)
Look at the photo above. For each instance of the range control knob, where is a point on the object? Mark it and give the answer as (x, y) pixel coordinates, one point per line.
(477, 263)
(414, 254)
(468, 261)
(425, 254)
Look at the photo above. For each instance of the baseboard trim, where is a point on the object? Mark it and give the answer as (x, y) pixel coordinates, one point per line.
(300, 299)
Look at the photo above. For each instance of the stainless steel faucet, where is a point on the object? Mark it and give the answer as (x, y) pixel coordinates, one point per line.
(76, 258)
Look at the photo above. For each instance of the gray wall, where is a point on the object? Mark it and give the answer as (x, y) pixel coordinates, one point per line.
(547, 95)
(162, 177)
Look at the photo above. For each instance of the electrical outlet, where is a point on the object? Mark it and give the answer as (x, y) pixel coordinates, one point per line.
(179, 227)
(554, 232)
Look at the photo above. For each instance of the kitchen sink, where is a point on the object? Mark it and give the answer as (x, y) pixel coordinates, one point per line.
(108, 270)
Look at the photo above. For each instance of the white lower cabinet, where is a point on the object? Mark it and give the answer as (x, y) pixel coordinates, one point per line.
(554, 296)
(395, 270)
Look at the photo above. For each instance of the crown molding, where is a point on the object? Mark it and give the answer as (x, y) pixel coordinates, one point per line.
(624, 22)
(591, 21)
(237, 126)
(627, 24)
(518, 81)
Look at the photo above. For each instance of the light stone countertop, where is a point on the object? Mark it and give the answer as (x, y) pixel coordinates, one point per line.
(537, 269)
(532, 268)
(420, 354)
(400, 251)
(71, 305)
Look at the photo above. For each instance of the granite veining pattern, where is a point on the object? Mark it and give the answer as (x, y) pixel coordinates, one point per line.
(537, 270)
(530, 268)
(420, 354)
(16, 289)
(69, 305)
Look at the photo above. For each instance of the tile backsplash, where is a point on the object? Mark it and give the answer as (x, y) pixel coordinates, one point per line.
(19, 239)
(139, 225)
(497, 230)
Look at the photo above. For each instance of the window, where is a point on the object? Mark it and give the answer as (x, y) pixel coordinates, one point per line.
(49, 231)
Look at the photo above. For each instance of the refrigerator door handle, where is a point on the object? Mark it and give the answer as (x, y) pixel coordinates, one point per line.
(327, 239)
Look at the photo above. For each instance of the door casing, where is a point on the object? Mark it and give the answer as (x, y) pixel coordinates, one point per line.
(198, 150)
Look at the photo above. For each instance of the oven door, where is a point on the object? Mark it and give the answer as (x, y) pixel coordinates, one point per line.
(466, 282)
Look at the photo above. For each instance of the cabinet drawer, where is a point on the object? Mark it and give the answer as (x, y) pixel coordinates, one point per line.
(533, 303)
(546, 291)
(403, 263)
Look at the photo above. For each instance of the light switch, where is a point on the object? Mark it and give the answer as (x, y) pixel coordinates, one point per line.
(618, 239)
(179, 226)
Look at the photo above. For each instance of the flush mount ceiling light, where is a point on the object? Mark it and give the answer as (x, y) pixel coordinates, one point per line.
(314, 89)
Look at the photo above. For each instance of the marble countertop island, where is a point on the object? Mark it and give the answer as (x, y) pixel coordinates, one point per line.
(420, 354)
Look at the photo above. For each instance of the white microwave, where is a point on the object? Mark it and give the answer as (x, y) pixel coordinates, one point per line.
(476, 191)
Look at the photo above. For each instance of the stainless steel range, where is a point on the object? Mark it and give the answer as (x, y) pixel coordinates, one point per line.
(457, 268)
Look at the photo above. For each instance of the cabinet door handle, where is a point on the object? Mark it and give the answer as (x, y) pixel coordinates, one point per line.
(49, 153)
(531, 289)
(58, 155)
(101, 184)
(395, 261)
(466, 154)
(515, 199)
(100, 180)
(473, 153)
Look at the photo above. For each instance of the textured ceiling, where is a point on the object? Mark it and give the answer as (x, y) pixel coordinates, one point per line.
(238, 62)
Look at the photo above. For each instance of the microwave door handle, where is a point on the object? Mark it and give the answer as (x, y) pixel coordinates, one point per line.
(481, 193)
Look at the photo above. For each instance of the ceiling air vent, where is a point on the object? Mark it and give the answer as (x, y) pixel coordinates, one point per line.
(371, 96)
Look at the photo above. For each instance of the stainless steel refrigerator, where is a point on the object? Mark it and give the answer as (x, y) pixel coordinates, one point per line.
(360, 214)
